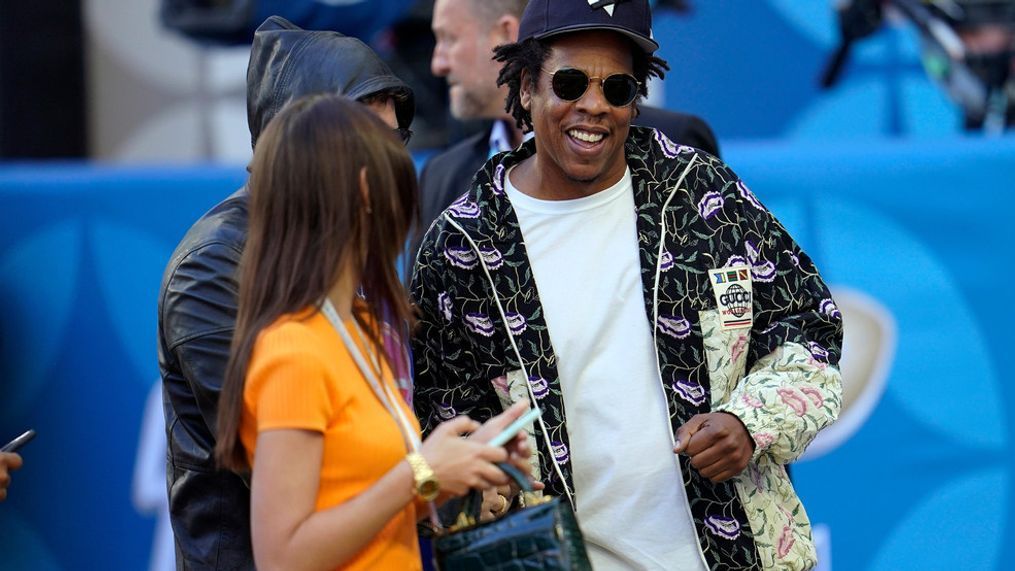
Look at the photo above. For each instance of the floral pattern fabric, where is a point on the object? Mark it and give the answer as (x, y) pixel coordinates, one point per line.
(482, 335)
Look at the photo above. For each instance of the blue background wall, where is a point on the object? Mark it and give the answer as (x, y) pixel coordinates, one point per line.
(921, 228)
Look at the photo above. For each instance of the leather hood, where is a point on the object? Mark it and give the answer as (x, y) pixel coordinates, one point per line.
(288, 62)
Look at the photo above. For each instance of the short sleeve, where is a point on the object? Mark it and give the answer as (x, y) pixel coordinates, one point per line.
(287, 388)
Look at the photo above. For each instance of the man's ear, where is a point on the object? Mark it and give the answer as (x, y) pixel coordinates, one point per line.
(364, 189)
(525, 90)
(505, 30)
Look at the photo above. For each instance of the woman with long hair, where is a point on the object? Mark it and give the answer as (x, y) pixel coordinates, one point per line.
(309, 405)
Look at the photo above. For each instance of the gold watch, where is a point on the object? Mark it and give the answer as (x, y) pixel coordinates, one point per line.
(427, 486)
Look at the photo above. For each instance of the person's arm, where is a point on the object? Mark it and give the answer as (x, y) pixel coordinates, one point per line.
(295, 402)
(198, 318)
(793, 387)
(288, 534)
(9, 461)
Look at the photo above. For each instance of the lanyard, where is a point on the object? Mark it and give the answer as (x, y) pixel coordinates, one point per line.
(381, 390)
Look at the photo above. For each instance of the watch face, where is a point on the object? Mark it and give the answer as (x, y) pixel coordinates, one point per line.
(429, 489)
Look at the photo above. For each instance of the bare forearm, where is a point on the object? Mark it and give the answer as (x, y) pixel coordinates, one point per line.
(329, 538)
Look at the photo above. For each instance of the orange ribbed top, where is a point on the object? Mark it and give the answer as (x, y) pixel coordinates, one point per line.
(301, 376)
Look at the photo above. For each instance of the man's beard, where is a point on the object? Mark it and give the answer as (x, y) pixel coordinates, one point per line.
(468, 106)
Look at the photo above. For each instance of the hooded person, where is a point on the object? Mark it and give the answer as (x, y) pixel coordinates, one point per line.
(210, 509)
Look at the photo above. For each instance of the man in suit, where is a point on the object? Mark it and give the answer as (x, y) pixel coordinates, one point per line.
(466, 32)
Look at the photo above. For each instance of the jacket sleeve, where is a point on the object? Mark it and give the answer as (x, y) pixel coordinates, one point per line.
(432, 398)
(792, 388)
(448, 380)
(198, 318)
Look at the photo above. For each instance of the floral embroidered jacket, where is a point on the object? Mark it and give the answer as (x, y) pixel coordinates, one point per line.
(483, 343)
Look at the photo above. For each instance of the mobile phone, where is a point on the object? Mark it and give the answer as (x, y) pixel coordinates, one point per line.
(513, 429)
(18, 442)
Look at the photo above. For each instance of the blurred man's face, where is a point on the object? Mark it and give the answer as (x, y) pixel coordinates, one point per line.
(580, 143)
(463, 54)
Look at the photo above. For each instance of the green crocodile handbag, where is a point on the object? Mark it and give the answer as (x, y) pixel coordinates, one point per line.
(542, 536)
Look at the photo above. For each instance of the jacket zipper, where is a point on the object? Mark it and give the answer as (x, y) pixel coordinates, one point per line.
(521, 362)
(655, 335)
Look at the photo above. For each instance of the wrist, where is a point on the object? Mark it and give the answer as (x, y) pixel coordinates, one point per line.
(425, 483)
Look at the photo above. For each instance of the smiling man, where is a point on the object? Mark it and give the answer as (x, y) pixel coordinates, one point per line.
(682, 348)
(466, 33)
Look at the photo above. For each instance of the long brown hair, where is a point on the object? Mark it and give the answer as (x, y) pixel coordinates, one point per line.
(309, 221)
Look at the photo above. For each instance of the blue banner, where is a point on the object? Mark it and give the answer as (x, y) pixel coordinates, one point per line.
(913, 238)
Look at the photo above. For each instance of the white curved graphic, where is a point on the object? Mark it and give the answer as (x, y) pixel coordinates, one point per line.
(868, 350)
(149, 487)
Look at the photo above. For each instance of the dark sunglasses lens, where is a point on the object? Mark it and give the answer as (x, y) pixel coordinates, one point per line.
(405, 134)
(570, 84)
(620, 89)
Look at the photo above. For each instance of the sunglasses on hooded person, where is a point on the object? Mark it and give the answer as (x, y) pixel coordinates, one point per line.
(569, 84)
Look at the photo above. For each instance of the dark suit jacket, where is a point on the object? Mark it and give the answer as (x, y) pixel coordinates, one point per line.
(447, 175)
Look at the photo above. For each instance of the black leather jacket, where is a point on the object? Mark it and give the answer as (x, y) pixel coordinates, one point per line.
(210, 509)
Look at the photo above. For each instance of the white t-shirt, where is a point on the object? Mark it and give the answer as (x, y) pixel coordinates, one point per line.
(632, 506)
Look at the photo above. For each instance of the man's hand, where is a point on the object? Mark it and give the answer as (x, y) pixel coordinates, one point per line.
(717, 444)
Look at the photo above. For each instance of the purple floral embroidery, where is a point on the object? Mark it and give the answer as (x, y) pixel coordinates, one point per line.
(666, 261)
(560, 453)
(736, 261)
(690, 391)
(792, 257)
(446, 411)
(516, 323)
(829, 308)
(761, 270)
(498, 180)
(540, 388)
(444, 304)
(709, 204)
(668, 147)
(817, 351)
(748, 195)
(464, 258)
(464, 208)
(764, 272)
(752, 251)
(674, 326)
(479, 323)
(493, 258)
(725, 527)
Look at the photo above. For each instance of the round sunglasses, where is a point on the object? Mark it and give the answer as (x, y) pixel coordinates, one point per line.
(570, 84)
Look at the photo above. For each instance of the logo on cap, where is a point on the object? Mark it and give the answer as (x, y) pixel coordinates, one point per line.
(604, 4)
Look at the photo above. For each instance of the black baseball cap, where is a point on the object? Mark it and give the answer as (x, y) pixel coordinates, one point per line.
(547, 18)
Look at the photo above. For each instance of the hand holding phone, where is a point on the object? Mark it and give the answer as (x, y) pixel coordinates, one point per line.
(515, 427)
(18, 442)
